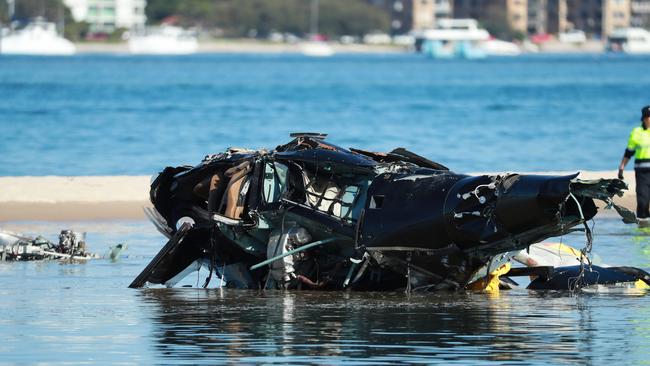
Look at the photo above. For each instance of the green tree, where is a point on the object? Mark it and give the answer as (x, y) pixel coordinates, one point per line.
(75, 31)
(157, 10)
(238, 17)
(338, 17)
(4, 13)
(496, 22)
(51, 10)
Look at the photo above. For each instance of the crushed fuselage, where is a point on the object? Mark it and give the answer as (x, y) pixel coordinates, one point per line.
(309, 214)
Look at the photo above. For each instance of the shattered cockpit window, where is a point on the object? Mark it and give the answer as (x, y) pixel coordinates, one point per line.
(312, 215)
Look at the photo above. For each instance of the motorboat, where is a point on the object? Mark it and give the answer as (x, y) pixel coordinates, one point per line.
(497, 47)
(37, 38)
(311, 215)
(316, 44)
(164, 40)
(316, 48)
(574, 36)
(629, 40)
(453, 38)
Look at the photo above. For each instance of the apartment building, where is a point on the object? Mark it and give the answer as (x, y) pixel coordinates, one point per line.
(598, 18)
(616, 14)
(407, 15)
(640, 13)
(557, 17)
(514, 13)
(104, 16)
(537, 17)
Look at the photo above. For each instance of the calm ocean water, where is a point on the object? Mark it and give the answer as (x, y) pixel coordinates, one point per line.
(55, 313)
(96, 115)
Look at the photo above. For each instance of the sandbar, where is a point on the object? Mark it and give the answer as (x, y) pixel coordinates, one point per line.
(55, 198)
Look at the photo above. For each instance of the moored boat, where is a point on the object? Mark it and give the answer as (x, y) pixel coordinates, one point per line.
(629, 40)
(164, 40)
(37, 38)
(453, 38)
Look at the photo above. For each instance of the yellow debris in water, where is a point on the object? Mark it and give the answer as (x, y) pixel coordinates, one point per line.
(490, 283)
(640, 284)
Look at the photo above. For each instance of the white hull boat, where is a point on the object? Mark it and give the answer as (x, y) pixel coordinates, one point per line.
(36, 39)
(453, 38)
(629, 40)
(497, 47)
(164, 40)
(316, 49)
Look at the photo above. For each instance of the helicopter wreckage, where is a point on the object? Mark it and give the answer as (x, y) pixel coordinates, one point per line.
(312, 215)
(16, 247)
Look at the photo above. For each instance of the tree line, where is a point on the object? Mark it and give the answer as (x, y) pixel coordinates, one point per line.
(232, 18)
(50, 10)
(240, 18)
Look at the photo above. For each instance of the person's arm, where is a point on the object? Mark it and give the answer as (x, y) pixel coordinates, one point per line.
(623, 164)
(629, 152)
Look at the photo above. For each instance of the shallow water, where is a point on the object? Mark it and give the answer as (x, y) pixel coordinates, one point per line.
(57, 312)
(106, 115)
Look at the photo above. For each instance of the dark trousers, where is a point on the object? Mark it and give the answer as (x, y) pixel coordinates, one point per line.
(642, 193)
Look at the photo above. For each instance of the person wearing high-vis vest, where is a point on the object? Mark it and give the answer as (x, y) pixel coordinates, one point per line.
(639, 146)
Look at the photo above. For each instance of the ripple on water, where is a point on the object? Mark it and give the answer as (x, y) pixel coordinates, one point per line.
(74, 313)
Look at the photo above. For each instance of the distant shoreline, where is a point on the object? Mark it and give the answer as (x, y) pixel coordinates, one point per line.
(244, 46)
(255, 46)
(54, 198)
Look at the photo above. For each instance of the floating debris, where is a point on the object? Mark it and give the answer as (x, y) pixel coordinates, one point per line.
(557, 266)
(71, 246)
(115, 252)
(312, 215)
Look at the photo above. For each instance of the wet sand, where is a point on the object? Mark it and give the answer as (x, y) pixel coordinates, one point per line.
(73, 198)
(55, 198)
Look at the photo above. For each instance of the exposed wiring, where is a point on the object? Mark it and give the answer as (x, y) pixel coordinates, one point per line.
(579, 280)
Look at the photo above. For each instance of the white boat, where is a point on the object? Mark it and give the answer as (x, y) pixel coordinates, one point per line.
(316, 46)
(316, 49)
(453, 38)
(497, 47)
(575, 36)
(629, 40)
(164, 40)
(38, 38)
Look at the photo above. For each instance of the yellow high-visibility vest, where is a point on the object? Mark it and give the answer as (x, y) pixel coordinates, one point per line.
(639, 144)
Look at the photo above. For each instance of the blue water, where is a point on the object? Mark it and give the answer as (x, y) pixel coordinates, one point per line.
(97, 115)
(63, 313)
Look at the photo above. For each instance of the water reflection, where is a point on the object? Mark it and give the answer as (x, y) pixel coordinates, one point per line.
(247, 326)
(84, 313)
(641, 239)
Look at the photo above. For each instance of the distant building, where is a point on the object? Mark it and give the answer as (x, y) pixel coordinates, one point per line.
(598, 18)
(513, 13)
(616, 14)
(537, 16)
(557, 18)
(104, 16)
(422, 14)
(517, 14)
(640, 13)
(407, 15)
